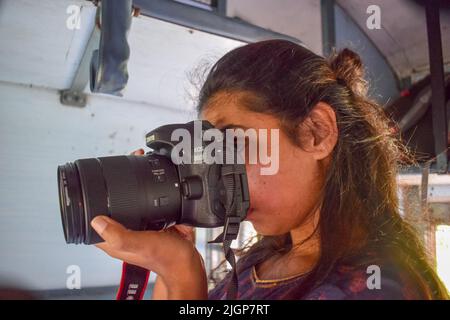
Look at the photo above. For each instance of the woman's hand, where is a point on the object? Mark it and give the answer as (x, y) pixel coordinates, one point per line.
(170, 253)
(160, 290)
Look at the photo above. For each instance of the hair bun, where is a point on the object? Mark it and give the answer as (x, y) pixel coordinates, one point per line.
(349, 71)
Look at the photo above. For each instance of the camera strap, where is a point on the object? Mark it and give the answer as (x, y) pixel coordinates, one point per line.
(133, 282)
(234, 213)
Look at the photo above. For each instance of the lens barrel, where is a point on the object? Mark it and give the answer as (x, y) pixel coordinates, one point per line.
(141, 192)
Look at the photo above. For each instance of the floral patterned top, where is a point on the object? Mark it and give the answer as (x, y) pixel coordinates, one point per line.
(345, 282)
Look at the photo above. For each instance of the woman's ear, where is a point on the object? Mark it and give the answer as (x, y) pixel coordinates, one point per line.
(319, 131)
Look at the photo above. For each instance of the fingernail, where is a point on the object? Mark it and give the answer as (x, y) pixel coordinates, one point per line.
(99, 224)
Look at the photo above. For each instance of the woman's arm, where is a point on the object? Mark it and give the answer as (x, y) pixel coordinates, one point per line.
(160, 291)
(196, 290)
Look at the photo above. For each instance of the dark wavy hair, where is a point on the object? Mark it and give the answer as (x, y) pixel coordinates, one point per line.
(359, 202)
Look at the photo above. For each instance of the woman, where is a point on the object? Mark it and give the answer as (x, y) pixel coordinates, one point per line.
(328, 219)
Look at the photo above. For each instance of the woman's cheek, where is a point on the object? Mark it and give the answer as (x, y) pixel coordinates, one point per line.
(255, 183)
(262, 188)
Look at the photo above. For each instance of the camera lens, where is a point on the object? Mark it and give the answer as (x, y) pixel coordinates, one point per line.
(71, 202)
(141, 192)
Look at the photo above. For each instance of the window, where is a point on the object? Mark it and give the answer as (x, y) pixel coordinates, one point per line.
(443, 253)
(202, 4)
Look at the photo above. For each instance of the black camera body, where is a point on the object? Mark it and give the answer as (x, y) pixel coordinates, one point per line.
(151, 192)
(203, 193)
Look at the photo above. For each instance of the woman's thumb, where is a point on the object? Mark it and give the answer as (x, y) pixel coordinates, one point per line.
(110, 230)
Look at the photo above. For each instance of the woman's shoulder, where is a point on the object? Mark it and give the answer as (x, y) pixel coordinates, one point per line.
(383, 280)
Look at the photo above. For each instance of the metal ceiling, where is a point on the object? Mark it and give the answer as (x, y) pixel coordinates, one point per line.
(402, 39)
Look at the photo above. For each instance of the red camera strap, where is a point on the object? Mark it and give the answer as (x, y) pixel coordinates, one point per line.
(133, 282)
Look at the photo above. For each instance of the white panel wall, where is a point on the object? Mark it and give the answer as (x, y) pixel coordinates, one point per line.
(38, 56)
(298, 18)
(37, 134)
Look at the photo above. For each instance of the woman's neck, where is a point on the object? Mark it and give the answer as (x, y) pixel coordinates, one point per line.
(306, 238)
(305, 250)
(300, 259)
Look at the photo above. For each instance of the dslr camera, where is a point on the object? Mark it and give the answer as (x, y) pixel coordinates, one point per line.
(166, 186)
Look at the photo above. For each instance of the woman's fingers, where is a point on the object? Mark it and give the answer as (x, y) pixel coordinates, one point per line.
(119, 238)
(138, 152)
(131, 246)
(143, 248)
(185, 231)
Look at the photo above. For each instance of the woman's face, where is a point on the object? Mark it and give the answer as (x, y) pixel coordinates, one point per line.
(282, 201)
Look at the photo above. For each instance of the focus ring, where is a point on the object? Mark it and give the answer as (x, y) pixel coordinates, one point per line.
(122, 187)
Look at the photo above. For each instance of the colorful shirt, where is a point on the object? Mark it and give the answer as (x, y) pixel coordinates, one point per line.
(345, 282)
